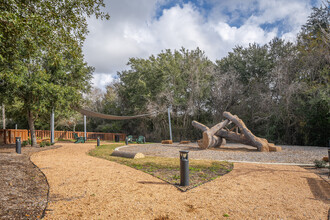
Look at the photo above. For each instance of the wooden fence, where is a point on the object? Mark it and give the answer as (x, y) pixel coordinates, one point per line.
(8, 136)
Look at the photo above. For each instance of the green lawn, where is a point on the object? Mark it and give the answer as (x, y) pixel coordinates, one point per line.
(168, 169)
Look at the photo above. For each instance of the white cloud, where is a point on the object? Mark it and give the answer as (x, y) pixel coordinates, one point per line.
(134, 30)
(101, 80)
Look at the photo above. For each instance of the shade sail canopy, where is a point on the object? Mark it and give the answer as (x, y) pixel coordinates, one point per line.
(111, 117)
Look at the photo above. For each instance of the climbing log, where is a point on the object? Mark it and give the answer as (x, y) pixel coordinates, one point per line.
(118, 153)
(209, 139)
(215, 136)
(259, 143)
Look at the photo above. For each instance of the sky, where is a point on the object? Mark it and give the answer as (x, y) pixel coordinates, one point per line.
(141, 28)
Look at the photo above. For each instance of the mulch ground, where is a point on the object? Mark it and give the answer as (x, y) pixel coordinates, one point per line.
(87, 187)
(23, 187)
(84, 187)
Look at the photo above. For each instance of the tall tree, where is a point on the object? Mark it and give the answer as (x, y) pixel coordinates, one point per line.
(42, 64)
(180, 78)
(314, 72)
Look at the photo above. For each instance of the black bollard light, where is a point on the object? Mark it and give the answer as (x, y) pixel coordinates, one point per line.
(184, 168)
(98, 141)
(18, 145)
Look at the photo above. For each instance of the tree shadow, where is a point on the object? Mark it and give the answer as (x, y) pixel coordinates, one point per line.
(320, 189)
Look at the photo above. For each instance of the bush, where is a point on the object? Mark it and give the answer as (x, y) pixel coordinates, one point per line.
(29, 141)
(42, 144)
(24, 143)
(52, 143)
(320, 163)
(48, 143)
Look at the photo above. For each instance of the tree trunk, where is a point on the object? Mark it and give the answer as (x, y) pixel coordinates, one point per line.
(235, 137)
(215, 136)
(31, 120)
(199, 126)
(259, 143)
(209, 139)
(3, 116)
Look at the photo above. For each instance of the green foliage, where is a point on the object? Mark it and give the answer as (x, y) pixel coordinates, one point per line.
(320, 163)
(24, 143)
(41, 62)
(43, 144)
(167, 169)
(179, 78)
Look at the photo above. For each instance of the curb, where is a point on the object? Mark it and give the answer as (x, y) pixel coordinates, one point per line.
(269, 163)
(253, 162)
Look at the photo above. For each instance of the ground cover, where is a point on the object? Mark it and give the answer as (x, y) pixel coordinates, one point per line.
(168, 169)
(23, 187)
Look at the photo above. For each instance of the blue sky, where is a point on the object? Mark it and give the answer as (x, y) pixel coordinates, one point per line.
(140, 28)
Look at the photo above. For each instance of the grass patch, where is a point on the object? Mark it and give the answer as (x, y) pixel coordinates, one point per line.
(168, 169)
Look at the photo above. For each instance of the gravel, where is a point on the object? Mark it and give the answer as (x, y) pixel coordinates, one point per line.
(234, 152)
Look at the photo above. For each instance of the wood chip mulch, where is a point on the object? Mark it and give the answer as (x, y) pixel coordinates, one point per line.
(23, 187)
(84, 187)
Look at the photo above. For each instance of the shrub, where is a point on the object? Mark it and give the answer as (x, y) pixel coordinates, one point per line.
(48, 143)
(24, 143)
(320, 163)
(29, 141)
(42, 144)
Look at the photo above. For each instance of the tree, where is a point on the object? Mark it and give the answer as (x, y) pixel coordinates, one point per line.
(180, 78)
(314, 72)
(41, 58)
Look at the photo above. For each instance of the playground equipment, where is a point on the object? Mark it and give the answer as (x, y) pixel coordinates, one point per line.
(216, 136)
(139, 140)
(132, 155)
(78, 139)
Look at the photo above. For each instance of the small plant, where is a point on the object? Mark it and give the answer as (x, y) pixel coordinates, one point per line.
(24, 143)
(48, 143)
(52, 143)
(225, 215)
(176, 177)
(320, 163)
(43, 144)
(29, 141)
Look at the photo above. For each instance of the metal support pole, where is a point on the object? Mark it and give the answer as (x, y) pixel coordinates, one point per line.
(184, 168)
(85, 130)
(15, 126)
(18, 145)
(52, 127)
(98, 141)
(169, 120)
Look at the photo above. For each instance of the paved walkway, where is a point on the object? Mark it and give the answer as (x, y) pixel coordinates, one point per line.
(84, 187)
